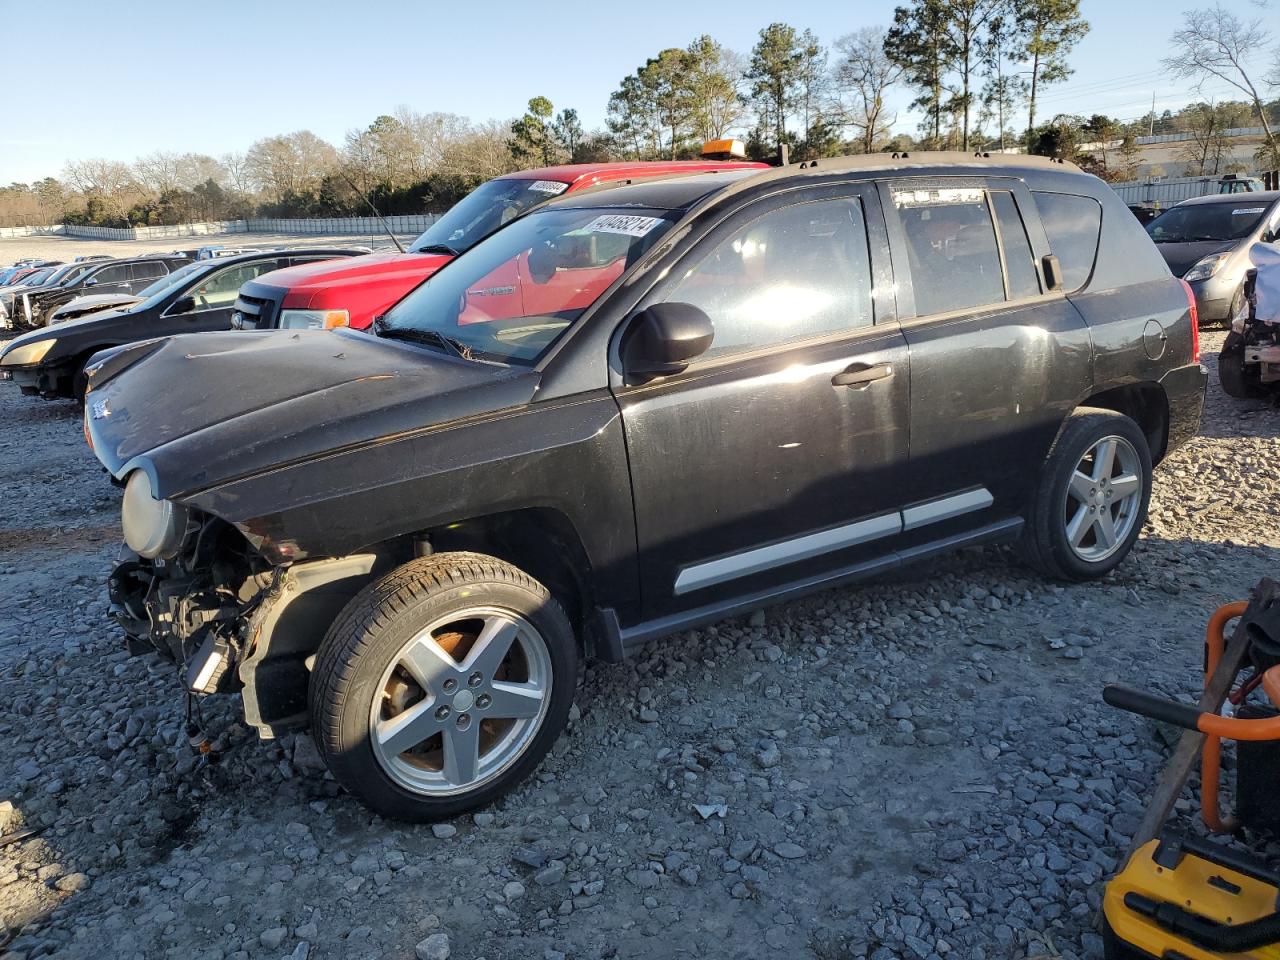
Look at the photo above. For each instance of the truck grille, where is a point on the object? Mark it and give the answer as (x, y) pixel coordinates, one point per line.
(255, 312)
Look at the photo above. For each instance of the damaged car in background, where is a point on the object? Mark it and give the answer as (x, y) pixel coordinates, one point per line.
(50, 362)
(408, 541)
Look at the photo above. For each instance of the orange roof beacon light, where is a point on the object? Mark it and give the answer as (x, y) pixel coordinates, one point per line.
(727, 149)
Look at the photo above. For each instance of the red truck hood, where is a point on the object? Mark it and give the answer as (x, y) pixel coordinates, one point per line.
(329, 285)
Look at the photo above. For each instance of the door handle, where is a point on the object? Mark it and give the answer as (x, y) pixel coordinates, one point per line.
(863, 376)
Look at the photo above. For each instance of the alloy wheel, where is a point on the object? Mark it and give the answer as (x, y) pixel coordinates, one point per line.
(461, 701)
(1103, 499)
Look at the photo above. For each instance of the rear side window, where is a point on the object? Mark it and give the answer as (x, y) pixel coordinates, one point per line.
(1073, 225)
(951, 246)
(148, 270)
(116, 274)
(1020, 266)
(796, 272)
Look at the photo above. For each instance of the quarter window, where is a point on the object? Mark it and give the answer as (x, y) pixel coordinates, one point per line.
(1019, 263)
(951, 247)
(796, 272)
(1073, 225)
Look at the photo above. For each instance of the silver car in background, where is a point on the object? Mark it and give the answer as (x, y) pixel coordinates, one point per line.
(1206, 242)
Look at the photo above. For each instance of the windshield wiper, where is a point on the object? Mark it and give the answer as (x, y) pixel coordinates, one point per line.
(430, 337)
(438, 248)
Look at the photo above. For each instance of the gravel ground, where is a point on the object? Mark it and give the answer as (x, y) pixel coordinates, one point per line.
(68, 248)
(917, 768)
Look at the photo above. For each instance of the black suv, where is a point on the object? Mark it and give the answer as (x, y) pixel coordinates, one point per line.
(634, 410)
(50, 362)
(106, 276)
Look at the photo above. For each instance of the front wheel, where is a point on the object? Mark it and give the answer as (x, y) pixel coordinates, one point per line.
(1091, 500)
(1237, 378)
(441, 686)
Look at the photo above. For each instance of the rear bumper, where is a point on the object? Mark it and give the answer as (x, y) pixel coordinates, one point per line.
(1184, 387)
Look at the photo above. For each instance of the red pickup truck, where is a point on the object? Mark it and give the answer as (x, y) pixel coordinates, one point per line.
(354, 291)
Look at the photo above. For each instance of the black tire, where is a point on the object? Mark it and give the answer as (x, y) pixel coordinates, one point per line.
(372, 630)
(1044, 543)
(1237, 302)
(1234, 374)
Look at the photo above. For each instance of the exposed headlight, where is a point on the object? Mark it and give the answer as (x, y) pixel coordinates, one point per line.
(314, 319)
(1206, 267)
(27, 353)
(152, 528)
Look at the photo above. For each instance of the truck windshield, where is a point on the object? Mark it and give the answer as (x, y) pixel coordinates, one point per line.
(514, 294)
(1207, 221)
(170, 280)
(485, 209)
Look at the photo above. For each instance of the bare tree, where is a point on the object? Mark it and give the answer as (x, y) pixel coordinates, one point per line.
(291, 164)
(863, 73)
(1208, 146)
(1214, 43)
(110, 182)
(482, 153)
(237, 172)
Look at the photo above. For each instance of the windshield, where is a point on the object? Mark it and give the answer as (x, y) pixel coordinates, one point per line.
(170, 280)
(36, 278)
(1207, 221)
(60, 273)
(483, 211)
(77, 271)
(513, 295)
(155, 292)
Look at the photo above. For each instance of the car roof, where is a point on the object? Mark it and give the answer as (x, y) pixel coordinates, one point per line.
(673, 193)
(660, 193)
(599, 172)
(1255, 196)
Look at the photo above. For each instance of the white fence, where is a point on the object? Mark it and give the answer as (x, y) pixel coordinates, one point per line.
(407, 224)
(1167, 191)
(412, 224)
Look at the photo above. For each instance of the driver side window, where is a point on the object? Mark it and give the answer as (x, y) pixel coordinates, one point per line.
(795, 272)
(219, 290)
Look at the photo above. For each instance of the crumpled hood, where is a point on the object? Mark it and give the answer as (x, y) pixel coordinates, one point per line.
(199, 409)
(98, 301)
(1181, 257)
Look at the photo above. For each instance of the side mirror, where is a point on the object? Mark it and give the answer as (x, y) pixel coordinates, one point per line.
(664, 339)
(1052, 272)
(182, 305)
(543, 260)
(91, 282)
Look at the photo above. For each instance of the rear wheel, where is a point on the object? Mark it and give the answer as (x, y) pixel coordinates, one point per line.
(442, 685)
(1092, 497)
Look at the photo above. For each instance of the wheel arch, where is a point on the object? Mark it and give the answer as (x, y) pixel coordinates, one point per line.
(1146, 404)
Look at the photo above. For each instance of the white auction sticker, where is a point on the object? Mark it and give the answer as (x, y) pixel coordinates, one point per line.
(548, 186)
(1236, 213)
(624, 223)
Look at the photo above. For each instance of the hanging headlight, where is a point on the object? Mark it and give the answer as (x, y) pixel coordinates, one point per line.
(152, 528)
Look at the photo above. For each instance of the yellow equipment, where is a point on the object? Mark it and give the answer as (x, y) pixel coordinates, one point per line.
(1180, 897)
(1184, 898)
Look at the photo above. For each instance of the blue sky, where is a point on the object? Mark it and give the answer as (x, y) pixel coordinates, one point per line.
(123, 79)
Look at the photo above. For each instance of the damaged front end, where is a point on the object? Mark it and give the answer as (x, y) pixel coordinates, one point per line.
(200, 593)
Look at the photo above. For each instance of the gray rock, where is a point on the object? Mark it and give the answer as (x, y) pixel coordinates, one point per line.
(272, 938)
(434, 947)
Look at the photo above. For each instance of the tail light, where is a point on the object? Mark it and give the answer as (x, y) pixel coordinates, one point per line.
(1195, 321)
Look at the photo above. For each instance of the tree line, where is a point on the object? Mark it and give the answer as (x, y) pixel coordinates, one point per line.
(977, 70)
